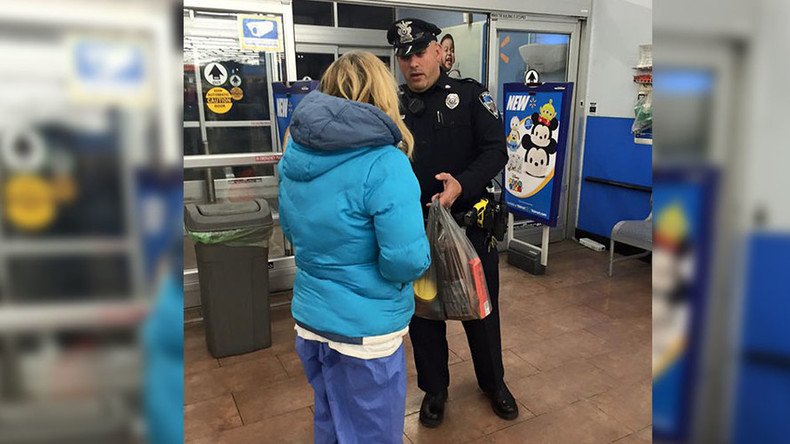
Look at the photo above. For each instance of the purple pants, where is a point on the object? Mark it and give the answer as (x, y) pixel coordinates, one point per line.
(356, 400)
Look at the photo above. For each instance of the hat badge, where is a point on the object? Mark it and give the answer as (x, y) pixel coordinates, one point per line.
(404, 31)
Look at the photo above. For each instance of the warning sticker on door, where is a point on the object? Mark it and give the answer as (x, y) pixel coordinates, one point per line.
(237, 93)
(215, 73)
(219, 100)
(29, 202)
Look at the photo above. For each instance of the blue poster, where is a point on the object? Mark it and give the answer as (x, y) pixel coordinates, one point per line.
(286, 99)
(536, 121)
(682, 205)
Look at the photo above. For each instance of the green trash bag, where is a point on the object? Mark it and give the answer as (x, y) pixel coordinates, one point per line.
(643, 114)
(239, 237)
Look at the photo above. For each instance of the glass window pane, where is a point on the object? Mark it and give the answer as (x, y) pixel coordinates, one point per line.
(234, 172)
(250, 77)
(366, 17)
(307, 12)
(192, 145)
(312, 65)
(520, 51)
(252, 139)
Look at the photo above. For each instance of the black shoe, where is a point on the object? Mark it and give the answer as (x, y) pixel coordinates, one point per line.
(504, 404)
(432, 409)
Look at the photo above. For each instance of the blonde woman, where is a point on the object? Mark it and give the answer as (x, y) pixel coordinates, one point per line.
(350, 204)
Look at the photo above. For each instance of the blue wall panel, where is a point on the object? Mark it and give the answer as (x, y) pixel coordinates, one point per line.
(767, 302)
(610, 153)
(762, 406)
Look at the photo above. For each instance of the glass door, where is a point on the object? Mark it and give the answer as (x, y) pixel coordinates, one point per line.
(552, 49)
(233, 52)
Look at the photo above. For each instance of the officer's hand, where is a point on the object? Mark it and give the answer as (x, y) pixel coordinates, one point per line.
(452, 189)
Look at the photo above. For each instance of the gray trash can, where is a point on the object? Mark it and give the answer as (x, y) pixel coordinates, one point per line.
(232, 249)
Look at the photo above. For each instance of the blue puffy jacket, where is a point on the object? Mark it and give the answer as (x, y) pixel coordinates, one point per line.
(350, 205)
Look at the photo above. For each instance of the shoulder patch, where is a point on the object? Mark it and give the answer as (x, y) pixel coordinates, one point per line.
(488, 103)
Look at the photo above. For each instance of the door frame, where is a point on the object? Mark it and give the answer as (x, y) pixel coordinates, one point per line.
(552, 25)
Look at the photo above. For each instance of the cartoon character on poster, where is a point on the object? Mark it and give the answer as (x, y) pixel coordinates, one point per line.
(532, 149)
(673, 277)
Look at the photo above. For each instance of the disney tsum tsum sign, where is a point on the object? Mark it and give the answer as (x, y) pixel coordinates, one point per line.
(536, 123)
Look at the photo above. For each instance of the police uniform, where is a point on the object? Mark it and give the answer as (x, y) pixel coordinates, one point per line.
(457, 130)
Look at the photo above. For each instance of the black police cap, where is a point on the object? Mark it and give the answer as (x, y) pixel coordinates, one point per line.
(410, 35)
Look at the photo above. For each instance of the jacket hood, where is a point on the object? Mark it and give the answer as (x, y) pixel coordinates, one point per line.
(327, 131)
(326, 123)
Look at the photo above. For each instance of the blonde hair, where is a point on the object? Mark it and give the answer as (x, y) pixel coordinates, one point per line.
(363, 77)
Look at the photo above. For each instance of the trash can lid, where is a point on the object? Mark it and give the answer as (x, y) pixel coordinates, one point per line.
(227, 216)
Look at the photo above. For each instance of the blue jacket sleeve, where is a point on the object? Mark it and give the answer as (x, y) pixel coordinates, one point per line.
(283, 204)
(392, 197)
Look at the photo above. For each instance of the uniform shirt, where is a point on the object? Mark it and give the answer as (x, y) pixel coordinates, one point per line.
(457, 134)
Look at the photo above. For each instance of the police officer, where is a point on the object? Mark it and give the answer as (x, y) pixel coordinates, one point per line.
(459, 148)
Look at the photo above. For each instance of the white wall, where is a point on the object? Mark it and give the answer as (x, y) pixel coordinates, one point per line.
(469, 41)
(764, 176)
(617, 28)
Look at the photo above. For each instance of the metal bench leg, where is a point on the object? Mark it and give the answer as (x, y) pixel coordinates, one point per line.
(611, 256)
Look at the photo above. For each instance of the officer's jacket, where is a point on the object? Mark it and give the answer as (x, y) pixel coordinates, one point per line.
(457, 133)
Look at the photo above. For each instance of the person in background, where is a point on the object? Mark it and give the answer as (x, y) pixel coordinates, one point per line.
(448, 56)
(460, 147)
(350, 205)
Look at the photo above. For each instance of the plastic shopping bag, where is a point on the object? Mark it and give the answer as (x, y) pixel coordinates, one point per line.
(454, 287)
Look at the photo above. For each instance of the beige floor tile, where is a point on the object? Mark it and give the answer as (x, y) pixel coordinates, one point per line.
(566, 319)
(615, 331)
(623, 305)
(550, 353)
(459, 346)
(272, 400)
(535, 304)
(629, 404)
(465, 420)
(634, 438)
(579, 423)
(196, 355)
(232, 378)
(463, 381)
(197, 360)
(517, 368)
(292, 364)
(210, 417)
(291, 427)
(556, 388)
(624, 282)
(518, 332)
(631, 362)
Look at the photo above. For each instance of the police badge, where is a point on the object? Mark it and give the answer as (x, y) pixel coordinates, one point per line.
(404, 31)
(452, 100)
(489, 104)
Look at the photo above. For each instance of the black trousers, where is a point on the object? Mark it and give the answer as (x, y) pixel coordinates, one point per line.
(429, 337)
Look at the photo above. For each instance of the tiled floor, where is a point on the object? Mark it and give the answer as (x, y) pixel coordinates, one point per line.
(576, 352)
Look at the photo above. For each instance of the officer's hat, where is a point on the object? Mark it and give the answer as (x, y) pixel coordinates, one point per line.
(411, 35)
